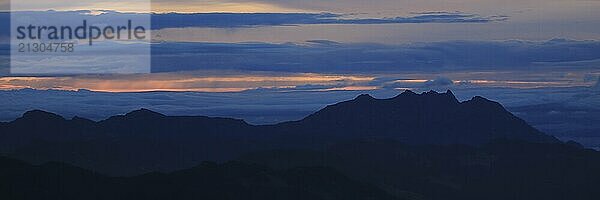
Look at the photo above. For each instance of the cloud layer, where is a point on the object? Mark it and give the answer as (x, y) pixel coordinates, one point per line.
(236, 20)
(321, 56)
(327, 56)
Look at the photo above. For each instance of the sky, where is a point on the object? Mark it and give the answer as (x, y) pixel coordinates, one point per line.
(239, 45)
(379, 39)
(527, 19)
(355, 45)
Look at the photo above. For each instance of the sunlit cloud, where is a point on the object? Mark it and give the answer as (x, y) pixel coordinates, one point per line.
(70, 5)
(230, 81)
(353, 88)
(411, 81)
(181, 6)
(183, 82)
(519, 84)
(216, 6)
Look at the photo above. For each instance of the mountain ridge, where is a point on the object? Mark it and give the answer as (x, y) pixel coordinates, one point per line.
(422, 114)
(144, 140)
(209, 180)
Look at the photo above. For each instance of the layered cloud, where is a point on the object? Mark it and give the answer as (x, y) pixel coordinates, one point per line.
(204, 81)
(234, 20)
(241, 81)
(327, 56)
(365, 58)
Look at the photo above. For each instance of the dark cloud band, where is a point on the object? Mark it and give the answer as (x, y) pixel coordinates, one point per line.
(238, 20)
(232, 20)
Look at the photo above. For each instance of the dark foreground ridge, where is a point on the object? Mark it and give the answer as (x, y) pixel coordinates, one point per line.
(363, 169)
(208, 181)
(144, 141)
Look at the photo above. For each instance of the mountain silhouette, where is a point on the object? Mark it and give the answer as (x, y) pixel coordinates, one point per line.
(231, 180)
(412, 146)
(427, 118)
(498, 170)
(359, 169)
(145, 141)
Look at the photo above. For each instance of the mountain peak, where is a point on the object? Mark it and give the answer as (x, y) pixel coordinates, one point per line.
(407, 93)
(40, 115)
(479, 99)
(429, 93)
(144, 113)
(481, 103)
(428, 117)
(364, 97)
(448, 96)
(449, 92)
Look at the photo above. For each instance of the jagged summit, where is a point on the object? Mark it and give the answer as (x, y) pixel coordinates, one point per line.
(364, 97)
(431, 92)
(485, 105)
(428, 117)
(450, 93)
(407, 93)
(482, 100)
(410, 93)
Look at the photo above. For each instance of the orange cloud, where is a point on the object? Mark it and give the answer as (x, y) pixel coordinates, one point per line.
(179, 82)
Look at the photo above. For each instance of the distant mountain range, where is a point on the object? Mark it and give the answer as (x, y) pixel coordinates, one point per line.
(144, 141)
(413, 146)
